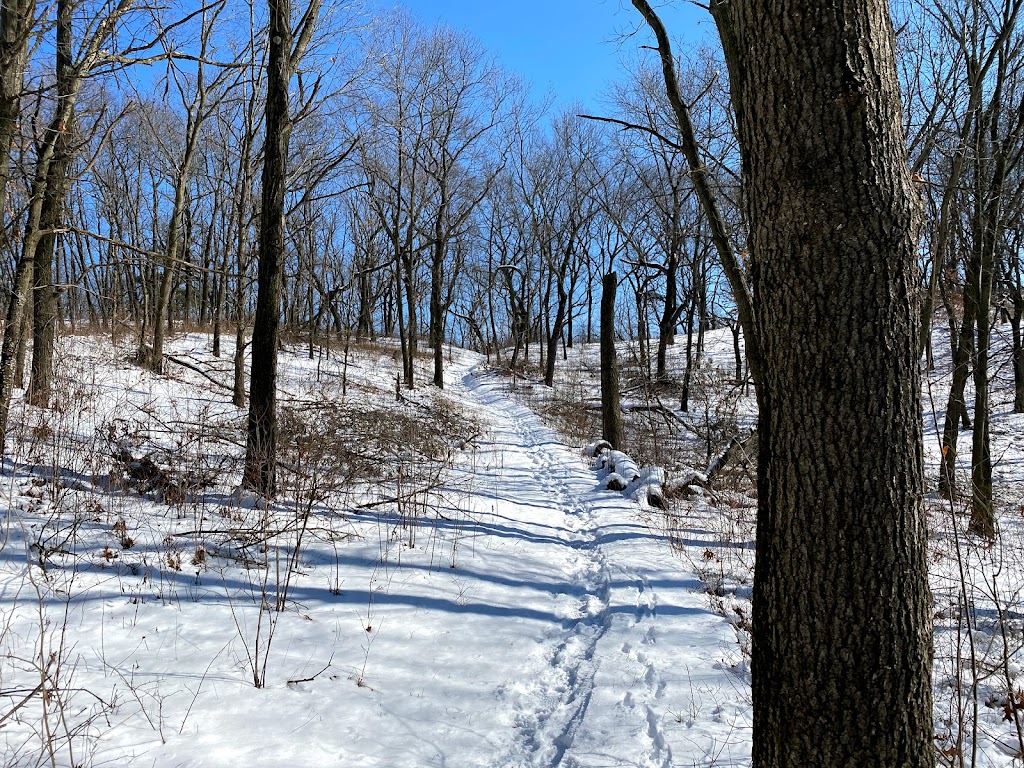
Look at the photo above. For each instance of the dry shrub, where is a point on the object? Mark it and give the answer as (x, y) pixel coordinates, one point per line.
(361, 443)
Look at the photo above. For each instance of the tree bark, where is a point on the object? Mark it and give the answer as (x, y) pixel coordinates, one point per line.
(611, 409)
(261, 444)
(1018, 351)
(16, 20)
(44, 300)
(842, 612)
(437, 307)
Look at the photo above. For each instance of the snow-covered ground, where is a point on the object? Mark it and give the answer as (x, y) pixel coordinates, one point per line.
(516, 614)
(457, 588)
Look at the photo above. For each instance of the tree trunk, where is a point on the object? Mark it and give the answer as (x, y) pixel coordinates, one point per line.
(956, 405)
(611, 409)
(590, 311)
(13, 331)
(44, 301)
(437, 308)
(16, 20)
(684, 397)
(669, 315)
(736, 352)
(403, 335)
(988, 231)
(555, 333)
(642, 338)
(67, 91)
(238, 362)
(842, 613)
(220, 283)
(24, 334)
(412, 326)
(162, 316)
(364, 324)
(1018, 353)
(261, 444)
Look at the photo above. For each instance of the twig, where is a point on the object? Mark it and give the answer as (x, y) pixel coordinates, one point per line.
(22, 703)
(396, 499)
(314, 677)
(200, 688)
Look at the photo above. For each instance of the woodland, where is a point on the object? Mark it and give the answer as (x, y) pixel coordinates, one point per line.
(782, 283)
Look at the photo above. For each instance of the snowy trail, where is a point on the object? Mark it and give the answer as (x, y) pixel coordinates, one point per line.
(596, 691)
(521, 617)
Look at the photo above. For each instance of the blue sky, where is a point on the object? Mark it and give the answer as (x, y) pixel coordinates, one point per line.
(567, 47)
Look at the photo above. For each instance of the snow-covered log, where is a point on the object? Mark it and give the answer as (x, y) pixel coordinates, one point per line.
(618, 472)
(615, 482)
(622, 464)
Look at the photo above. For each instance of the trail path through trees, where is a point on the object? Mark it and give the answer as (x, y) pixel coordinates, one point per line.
(518, 616)
(633, 670)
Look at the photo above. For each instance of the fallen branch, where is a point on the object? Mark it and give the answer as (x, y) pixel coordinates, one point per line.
(668, 413)
(22, 703)
(314, 677)
(396, 499)
(719, 462)
(200, 371)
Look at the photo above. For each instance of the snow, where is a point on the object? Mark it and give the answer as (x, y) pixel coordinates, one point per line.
(522, 615)
(474, 598)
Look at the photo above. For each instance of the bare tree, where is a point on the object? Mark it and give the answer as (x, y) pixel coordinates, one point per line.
(91, 54)
(285, 51)
(469, 100)
(17, 21)
(557, 188)
(395, 123)
(200, 98)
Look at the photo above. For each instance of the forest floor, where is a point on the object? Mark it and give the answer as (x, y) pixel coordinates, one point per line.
(443, 580)
(460, 592)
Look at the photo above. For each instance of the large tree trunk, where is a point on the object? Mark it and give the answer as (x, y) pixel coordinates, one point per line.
(261, 444)
(842, 612)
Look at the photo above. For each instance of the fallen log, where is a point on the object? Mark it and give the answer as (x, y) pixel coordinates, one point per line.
(737, 449)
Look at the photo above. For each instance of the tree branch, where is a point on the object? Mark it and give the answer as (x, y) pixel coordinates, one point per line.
(719, 233)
